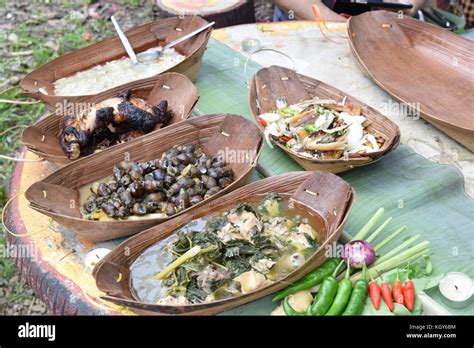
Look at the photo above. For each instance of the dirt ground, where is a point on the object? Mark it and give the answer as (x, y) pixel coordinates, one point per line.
(31, 34)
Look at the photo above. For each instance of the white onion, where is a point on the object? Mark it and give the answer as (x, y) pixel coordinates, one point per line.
(354, 136)
(270, 117)
(324, 121)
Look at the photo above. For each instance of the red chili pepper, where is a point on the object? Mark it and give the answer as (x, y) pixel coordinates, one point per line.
(387, 296)
(263, 122)
(285, 138)
(409, 294)
(374, 291)
(397, 291)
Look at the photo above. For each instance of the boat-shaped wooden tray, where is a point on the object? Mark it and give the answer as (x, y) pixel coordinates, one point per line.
(326, 198)
(42, 138)
(423, 65)
(58, 194)
(39, 83)
(270, 83)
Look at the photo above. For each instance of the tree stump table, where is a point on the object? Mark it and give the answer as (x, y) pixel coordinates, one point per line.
(224, 12)
(54, 264)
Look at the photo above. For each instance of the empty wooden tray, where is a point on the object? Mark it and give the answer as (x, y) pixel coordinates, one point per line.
(420, 64)
(42, 138)
(58, 194)
(39, 83)
(270, 83)
(326, 198)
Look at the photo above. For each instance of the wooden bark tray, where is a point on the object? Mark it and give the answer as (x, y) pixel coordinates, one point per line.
(42, 138)
(419, 64)
(153, 34)
(270, 83)
(326, 198)
(58, 197)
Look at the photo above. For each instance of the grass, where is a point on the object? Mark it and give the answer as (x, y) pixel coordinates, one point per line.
(28, 44)
(7, 271)
(12, 115)
(44, 44)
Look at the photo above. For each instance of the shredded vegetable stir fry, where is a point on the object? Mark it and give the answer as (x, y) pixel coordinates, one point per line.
(320, 129)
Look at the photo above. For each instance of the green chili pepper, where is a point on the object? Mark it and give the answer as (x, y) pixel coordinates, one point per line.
(358, 296)
(344, 290)
(326, 294)
(290, 310)
(310, 128)
(313, 278)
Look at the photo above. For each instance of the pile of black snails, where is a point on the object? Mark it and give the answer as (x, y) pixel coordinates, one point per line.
(182, 177)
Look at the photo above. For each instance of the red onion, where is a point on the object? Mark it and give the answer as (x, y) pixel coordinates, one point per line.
(358, 252)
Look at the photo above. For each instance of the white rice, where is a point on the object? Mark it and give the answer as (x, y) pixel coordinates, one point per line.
(114, 73)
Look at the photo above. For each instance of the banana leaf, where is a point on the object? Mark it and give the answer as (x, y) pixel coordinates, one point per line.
(427, 197)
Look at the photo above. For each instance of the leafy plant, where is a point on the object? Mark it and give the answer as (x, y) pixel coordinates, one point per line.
(214, 263)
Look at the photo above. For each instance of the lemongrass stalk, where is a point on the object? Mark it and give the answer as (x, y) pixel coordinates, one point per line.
(403, 256)
(369, 225)
(375, 272)
(390, 237)
(406, 254)
(417, 256)
(397, 249)
(398, 260)
(378, 230)
(182, 259)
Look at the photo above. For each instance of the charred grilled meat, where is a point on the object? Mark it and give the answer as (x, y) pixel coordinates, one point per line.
(82, 134)
(111, 121)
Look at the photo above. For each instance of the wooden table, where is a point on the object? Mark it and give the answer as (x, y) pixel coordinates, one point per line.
(56, 269)
(223, 12)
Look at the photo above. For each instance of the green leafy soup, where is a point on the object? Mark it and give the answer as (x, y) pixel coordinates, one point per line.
(225, 255)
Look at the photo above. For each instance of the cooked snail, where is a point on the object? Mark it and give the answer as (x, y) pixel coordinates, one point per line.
(184, 176)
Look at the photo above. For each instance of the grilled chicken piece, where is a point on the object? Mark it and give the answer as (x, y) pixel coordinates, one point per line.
(117, 119)
(124, 137)
(135, 113)
(81, 133)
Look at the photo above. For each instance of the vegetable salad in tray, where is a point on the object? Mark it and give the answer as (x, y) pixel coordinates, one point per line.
(321, 129)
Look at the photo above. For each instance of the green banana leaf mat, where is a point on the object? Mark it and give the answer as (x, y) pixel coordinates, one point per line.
(427, 197)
